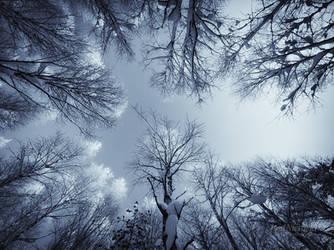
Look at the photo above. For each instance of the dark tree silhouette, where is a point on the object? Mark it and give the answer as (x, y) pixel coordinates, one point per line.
(44, 65)
(187, 45)
(139, 229)
(165, 152)
(41, 184)
(114, 22)
(264, 204)
(213, 181)
(90, 226)
(201, 226)
(286, 44)
(299, 205)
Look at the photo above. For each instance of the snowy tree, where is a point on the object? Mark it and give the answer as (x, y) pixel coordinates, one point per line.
(287, 44)
(188, 39)
(165, 152)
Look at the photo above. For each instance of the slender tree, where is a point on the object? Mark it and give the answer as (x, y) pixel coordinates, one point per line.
(214, 182)
(201, 225)
(90, 226)
(165, 152)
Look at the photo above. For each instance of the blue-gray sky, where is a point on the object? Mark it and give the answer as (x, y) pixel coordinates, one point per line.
(236, 131)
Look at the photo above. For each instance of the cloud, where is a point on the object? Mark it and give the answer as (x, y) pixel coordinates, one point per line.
(100, 174)
(121, 109)
(101, 179)
(92, 148)
(105, 183)
(119, 188)
(95, 58)
(4, 141)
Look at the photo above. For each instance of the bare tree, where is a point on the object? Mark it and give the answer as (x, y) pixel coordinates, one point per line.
(39, 160)
(36, 184)
(43, 64)
(187, 47)
(286, 44)
(251, 234)
(214, 182)
(15, 110)
(295, 205)
(114, 22)
(267, 204)
(201, 225)
(165, 152)
(90, 226)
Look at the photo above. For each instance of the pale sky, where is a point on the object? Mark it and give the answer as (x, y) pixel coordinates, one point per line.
(236, 131)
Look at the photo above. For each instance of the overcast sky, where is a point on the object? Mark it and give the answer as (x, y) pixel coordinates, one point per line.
(236, 131)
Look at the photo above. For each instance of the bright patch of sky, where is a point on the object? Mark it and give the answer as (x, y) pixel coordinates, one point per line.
(92, 148)
(119, 188)
(121, 109)
(100, 173)
(105, 183)
(4, 141)
(35, 187)
(148, 203)
(94, 57)
(47, 116)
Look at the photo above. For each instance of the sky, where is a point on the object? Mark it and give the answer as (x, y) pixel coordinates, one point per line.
(237, 131)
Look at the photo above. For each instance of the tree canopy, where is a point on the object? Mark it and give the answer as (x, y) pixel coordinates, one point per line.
(52, 59)
(284, 44)
(44, 66)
